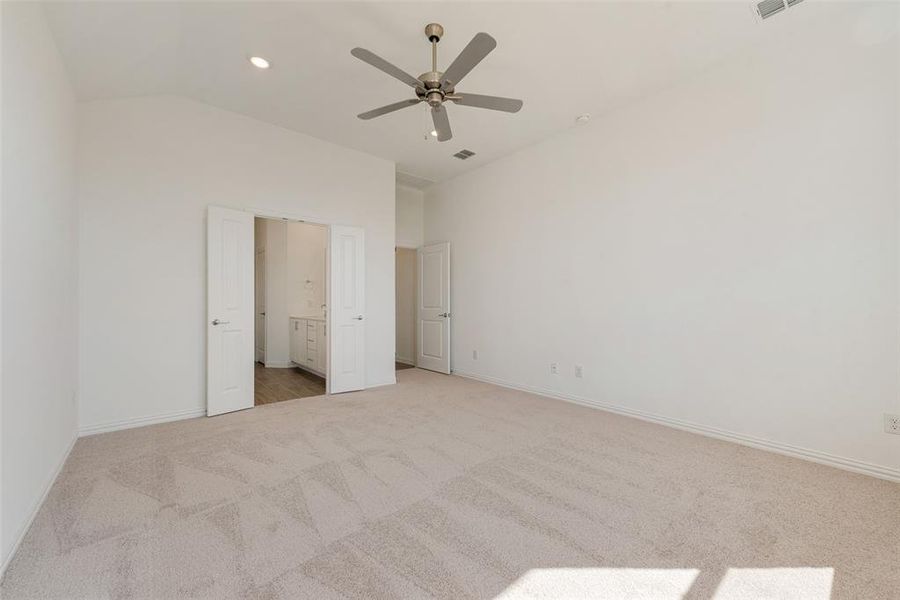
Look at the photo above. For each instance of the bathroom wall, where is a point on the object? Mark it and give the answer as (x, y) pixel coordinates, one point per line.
(305, 275)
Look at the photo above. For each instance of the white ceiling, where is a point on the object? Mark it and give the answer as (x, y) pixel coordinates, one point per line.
(562, 59)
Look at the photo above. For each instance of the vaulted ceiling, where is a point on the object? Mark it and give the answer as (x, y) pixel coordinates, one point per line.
(562, 59)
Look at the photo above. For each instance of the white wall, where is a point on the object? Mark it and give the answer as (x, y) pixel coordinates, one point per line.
(410, 216)
(39, 282)
(148, 168)
(278, 350)
(306, 248)
(723, 253)
(406, 305)
(295, 253)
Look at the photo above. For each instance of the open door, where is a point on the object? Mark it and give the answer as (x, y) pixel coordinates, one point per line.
(347, 361)
(229, 325)
(433, 308)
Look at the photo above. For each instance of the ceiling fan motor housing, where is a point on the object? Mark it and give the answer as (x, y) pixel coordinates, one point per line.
(431, 90)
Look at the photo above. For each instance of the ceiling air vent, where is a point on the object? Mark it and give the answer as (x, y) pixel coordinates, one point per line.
(767, 8)
(464, 154)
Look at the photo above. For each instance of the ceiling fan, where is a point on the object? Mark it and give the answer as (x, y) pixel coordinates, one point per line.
(435, 87)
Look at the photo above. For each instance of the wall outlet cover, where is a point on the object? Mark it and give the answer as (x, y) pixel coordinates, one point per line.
(892, 423)
(554, 368)
(474, 354)
(579, 371)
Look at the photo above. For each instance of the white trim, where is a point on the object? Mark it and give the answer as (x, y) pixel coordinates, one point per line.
(381, 383)
(406, 245)
(405, 361)
(309, 370)
(831, 460)
(278, 365)
(141, 421)
(36, 507)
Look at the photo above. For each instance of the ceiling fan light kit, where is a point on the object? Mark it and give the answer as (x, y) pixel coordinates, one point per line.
(436, 87)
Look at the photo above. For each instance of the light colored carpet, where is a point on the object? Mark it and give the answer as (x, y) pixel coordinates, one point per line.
(440, 487)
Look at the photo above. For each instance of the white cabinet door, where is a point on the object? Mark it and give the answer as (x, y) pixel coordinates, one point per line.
(347, 329)
(312, 345)
(299, 334)
(433, 308)
(230, 343)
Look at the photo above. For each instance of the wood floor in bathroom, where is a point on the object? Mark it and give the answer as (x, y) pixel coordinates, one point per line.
(275, 385)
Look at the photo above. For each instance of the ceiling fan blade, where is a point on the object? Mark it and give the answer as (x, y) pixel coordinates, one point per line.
(491, 102)
(480, 46)
(377, 112)
(383, 65)
(441, 123)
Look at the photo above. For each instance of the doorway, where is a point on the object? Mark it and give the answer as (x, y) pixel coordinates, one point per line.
(405, 304)
(290, 324)
(422, 279)
(334, 341)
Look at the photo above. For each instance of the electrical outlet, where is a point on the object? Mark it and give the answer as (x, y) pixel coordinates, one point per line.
(554, 368)
(892, 424)
(579, 371)
(474, 354)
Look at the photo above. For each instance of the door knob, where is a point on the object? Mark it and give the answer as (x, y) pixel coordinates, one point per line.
(358, 318)
(218, 322)
(444, 315)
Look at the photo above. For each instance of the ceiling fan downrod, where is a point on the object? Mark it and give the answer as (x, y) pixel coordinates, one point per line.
(433, 94)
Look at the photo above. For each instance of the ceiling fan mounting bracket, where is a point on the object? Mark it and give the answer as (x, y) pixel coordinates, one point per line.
(434, 32)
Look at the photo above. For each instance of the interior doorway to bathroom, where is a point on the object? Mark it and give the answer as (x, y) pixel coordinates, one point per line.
(291, 330)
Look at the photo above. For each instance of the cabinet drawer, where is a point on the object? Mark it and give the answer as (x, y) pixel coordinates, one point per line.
(311, 359)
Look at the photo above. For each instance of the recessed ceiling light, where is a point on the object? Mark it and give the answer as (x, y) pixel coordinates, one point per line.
(433, 133)
(582, 119)
(259, 62)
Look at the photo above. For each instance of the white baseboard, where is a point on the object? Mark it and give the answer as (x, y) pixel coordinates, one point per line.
(20, 535)
(376, 384)
(278, 365)
(405, 361)
(839, 462)
(140, 421)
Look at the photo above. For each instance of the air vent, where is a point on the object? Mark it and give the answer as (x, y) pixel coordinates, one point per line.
(464, 154)
(767, 8)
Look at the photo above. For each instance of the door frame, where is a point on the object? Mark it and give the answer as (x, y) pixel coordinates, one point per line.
(414, 248)
(263, 213)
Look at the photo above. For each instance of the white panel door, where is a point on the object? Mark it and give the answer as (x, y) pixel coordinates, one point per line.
(347, 325)
(433, 308)
(230, 318)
